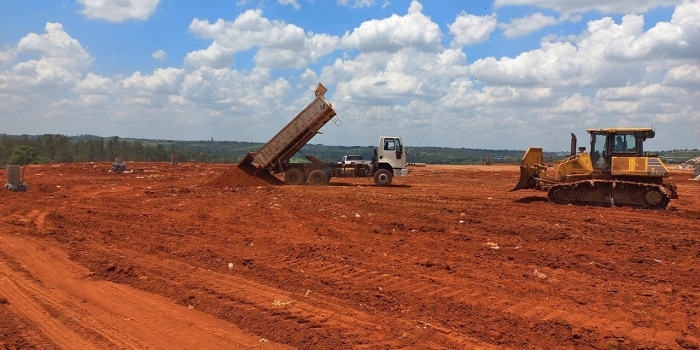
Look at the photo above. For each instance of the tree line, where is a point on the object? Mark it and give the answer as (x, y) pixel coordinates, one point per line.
(53, 148)
(48, 148)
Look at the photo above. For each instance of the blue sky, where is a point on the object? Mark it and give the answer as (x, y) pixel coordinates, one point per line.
(478, 74)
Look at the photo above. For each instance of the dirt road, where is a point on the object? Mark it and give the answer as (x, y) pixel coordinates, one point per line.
(181, 257)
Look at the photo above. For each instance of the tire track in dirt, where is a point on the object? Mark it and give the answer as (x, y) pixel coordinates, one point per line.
(18, 289)
(282, 310)
(16, 332)
(95, 315)
(582, 326)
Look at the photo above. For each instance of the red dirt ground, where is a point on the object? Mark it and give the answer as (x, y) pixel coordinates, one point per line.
(204, 256)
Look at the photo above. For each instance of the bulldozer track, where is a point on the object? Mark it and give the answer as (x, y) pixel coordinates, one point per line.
(611, 193)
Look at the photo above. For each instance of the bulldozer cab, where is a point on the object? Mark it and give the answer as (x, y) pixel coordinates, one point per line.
(606, 143)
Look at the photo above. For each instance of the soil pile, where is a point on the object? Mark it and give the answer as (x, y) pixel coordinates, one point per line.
(245, 176)
(689, 164)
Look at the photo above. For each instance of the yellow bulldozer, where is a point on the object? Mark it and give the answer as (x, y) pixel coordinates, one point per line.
(616, 172)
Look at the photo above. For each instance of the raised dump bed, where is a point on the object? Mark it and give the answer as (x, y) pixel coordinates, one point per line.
(294, 135)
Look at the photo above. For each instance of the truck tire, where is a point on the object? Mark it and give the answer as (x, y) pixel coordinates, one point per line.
(294, 177)
(383, 177)
(318, 178)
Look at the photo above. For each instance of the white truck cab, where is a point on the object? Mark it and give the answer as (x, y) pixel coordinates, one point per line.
(391, 155)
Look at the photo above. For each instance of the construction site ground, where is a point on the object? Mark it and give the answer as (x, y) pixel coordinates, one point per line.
(207, 256)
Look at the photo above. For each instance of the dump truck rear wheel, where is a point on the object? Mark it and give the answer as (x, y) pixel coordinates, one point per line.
(383, 177)
(294, 177)
(318, 178)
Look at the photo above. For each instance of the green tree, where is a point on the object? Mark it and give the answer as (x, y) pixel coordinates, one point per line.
(22, 155)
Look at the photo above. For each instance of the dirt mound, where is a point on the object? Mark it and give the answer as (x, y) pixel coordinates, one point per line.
(689, 164)
(244, 176)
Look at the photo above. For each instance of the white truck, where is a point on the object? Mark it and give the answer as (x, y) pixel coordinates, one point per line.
(353, 159)
(389, 158)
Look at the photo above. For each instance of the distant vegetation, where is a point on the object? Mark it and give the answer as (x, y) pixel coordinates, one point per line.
(48, 148)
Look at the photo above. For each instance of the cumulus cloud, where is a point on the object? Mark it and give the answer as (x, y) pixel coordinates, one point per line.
(61, 61)
(160, 55)
(529, 24)
(281, 45)
(396, 32)
(604, 6)
(94, 84)
(685, 75)
(356, 3)
(470, 29)
(679, 38)
(605, 54)
(163, 81)
(119, 11)
(293, 3)
(8, 56)
(393, 78)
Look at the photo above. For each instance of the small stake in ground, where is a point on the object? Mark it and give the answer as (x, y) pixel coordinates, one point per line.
(118, 166)
(15, 181)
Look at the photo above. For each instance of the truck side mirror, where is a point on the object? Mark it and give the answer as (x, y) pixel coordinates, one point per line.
(375, 152)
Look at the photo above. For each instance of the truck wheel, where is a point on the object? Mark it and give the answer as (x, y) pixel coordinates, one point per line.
(383, 177)
(294, 177)
(318, 178)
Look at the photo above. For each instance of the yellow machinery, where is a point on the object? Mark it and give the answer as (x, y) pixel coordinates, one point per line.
(616, 172)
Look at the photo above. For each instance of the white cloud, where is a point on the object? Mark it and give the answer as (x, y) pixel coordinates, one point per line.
(94, 84)
(686, 75)
(91, 101)
(308, 77)
(388, 78)
(529, 24)
(470, 29)
(163, 81)
(8, 56)
(160, 55)
(605, 55)
(400, 80)
(62, 61)
(293, 3)
(356, 3)
(604, 6)
(119, 11)
(280, 45)
(391, 34)
(679, 38)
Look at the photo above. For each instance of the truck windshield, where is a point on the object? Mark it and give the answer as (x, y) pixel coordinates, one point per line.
(353, 158)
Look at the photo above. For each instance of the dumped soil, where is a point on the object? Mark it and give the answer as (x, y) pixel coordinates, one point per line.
(446, 258)
(244, 176)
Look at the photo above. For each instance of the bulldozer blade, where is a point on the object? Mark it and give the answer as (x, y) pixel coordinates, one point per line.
(529, 169)
(527, 180)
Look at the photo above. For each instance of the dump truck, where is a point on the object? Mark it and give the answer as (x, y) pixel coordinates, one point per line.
(616, 172)
(274, 156)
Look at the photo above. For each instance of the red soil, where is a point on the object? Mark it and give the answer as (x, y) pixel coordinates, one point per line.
(244, 176)
(446, 258)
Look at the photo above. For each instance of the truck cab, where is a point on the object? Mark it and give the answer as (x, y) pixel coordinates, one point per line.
(391, 155)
